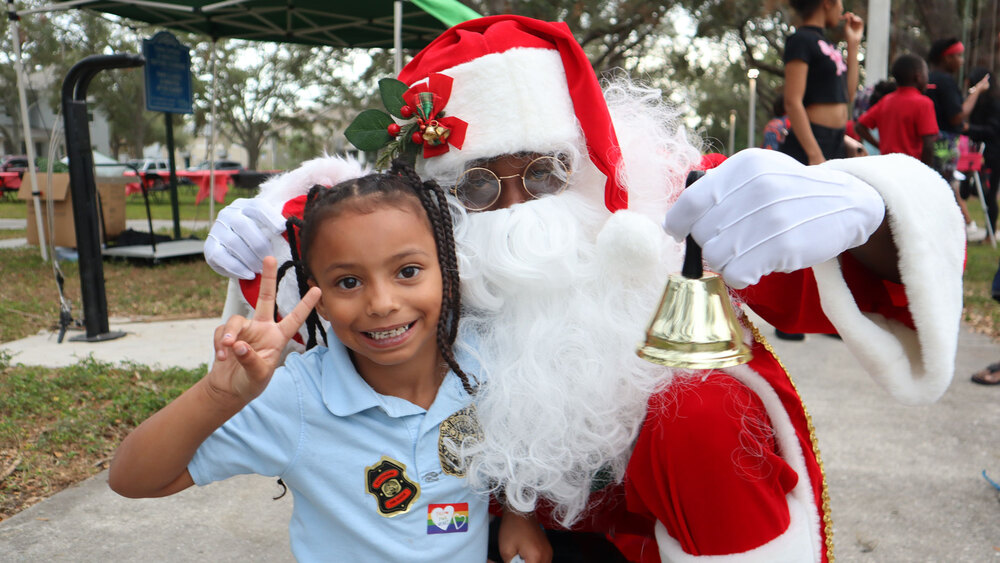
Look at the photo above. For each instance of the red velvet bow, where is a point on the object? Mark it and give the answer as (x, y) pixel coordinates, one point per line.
(429, 115)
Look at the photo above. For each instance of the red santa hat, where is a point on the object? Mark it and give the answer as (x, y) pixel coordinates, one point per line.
(520, 85)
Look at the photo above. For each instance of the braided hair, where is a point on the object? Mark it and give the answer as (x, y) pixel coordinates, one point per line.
(400, 184)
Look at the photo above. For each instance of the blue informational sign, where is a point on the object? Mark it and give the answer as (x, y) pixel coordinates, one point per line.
(168, 74)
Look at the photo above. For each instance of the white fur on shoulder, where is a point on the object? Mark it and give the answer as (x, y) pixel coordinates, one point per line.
(325, 170)
(927, 227)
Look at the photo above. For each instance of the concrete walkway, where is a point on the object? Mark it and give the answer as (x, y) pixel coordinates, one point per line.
(905, 482)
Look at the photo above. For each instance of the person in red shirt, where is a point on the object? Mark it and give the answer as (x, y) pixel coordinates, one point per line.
(905, 118)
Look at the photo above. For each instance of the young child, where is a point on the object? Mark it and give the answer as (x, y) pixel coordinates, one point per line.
(904, 118)
(362, 431)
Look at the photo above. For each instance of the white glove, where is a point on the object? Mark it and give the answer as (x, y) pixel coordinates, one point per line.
(239, 240)
(762, 211)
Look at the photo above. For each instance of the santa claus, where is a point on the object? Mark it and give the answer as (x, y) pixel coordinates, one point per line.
(560, 191)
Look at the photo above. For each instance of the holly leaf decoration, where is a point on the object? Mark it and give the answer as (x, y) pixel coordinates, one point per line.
(392, 91)
(368, 131)
(401, 147)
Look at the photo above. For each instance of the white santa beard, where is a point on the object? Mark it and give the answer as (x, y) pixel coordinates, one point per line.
(556, 297)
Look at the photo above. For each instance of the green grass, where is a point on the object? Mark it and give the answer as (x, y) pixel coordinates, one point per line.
(160, 208)
(981, 311)
(29, 298)
(59, 426)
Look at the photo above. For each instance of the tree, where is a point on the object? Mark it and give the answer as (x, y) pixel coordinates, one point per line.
(259, 87)
(41, 46)
(52, 44)
(616, 34)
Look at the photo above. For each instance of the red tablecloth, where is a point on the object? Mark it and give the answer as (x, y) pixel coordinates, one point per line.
(201, 178)
(10, 181)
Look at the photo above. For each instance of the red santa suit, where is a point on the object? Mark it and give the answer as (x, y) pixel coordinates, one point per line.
(749, 485)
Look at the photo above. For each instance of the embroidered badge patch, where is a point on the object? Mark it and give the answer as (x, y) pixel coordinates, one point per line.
(448, 518)
(392, 489)
(459, 428)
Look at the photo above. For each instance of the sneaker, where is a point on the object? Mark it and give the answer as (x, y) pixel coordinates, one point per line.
(789, 335)
(973, 233)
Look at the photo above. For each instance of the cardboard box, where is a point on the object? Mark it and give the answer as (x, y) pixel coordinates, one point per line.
(111, 202)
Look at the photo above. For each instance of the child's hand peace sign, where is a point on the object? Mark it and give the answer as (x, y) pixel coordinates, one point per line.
(247, 351)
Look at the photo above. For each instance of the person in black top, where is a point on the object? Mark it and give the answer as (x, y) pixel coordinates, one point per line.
(819, 86)
(819, 82)
(984, 128)
(946, 58)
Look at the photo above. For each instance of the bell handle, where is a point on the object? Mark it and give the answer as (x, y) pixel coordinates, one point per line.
(692, 268)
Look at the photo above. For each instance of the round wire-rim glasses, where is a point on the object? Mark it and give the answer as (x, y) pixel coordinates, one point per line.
(479, 188)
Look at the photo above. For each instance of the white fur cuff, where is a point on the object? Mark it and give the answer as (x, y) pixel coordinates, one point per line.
(914, 367)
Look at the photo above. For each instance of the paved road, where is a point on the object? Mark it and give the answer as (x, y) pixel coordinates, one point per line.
(905, 482)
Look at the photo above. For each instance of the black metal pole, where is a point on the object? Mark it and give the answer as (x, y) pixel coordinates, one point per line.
(174, 204)
(83, 189)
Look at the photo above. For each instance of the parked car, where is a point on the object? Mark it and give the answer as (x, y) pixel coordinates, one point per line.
(156, 171)
(219, 165)
(15, 163)
(144, 165)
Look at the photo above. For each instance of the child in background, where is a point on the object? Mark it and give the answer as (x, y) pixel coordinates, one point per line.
(363, 431)
(776, 129)
(904, 118)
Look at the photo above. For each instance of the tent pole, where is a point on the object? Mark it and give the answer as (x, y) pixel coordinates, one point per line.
(211, 144)
(29, 145)
(397, 36)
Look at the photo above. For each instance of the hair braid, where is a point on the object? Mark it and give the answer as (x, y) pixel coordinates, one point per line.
(433, 200)
(293, 227)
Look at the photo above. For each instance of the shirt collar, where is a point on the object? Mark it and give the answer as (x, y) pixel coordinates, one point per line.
(345, 393)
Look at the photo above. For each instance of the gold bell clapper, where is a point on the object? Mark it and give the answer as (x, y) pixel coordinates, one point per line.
(695, 326)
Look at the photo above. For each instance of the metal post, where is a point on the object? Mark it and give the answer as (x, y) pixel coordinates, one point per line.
(84, 189)
(29, 145)
(174, 205)
(877, 42)
(751, 123)
(397, 36)
(732, 132)
(211, 144)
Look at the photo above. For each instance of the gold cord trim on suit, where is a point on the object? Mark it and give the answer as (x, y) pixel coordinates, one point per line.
(827, 519)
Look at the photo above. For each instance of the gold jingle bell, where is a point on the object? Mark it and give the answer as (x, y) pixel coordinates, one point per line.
(695, 325)
(435, 133)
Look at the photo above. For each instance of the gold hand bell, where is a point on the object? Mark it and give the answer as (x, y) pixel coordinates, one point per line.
(695, 325)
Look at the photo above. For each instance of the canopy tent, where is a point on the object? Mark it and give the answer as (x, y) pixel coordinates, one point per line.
(310, 22)
(337, 23)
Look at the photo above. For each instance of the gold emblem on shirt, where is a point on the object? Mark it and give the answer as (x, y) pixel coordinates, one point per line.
(456, 430)
(394, 492)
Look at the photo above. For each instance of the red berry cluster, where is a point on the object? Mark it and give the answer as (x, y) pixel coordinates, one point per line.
(394, 128)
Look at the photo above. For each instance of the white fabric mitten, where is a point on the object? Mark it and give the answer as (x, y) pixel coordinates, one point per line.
(239, 239)
(762, 211)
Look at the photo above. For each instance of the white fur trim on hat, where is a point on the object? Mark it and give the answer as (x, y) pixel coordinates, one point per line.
(513, 101)
(325, 171)
(927, 227)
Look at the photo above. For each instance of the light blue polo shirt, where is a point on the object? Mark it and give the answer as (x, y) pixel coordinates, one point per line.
(321, 428)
